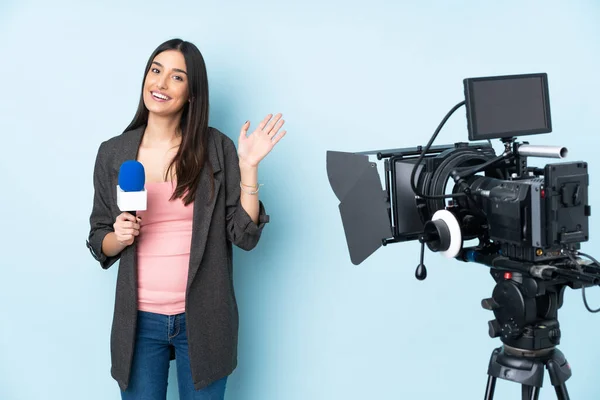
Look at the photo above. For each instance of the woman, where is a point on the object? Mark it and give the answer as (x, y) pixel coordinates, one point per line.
(174, 295)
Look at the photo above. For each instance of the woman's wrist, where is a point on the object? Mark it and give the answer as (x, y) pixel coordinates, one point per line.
(111, 246)
(249, 175)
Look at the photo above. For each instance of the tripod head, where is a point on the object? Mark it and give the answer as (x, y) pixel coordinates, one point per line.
(527, 296)
(526, 310)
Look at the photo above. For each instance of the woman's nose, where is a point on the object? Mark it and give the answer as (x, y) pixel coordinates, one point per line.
(162, 82)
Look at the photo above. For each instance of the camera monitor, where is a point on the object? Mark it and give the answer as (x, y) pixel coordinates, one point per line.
(507, 106)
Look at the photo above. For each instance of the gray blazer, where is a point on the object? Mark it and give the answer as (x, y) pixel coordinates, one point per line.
(211, 308)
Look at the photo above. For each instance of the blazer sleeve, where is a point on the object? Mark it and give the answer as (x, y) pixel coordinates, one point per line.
(101, 221)
(241, 230)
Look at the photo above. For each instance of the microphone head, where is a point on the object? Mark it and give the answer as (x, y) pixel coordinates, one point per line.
(131, 176)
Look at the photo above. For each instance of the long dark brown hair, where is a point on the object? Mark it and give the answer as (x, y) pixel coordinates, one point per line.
(192, 153)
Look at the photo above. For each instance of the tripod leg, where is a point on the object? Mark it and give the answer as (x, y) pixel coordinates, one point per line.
(489, 390)
(560, 372)
(561, 392)
(530, 392)
(535, 393)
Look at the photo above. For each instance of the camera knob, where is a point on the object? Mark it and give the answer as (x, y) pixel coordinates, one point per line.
(490, 304)
(554, 335)
(494, 328)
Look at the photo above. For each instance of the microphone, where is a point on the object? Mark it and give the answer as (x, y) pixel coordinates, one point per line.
(131, 194)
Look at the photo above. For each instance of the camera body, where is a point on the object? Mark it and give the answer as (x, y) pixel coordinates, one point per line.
(532, 219)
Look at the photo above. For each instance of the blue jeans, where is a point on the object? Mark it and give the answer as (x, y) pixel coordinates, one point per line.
(156, 333)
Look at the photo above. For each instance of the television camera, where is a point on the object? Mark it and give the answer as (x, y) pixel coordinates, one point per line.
(528, 222)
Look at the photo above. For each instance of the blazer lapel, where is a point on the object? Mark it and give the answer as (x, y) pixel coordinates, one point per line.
(128, 150)
(204, 205)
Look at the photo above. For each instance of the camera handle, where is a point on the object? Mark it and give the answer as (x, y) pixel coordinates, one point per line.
(421, 272)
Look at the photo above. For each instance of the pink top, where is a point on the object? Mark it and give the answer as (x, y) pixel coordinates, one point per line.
(163, 251)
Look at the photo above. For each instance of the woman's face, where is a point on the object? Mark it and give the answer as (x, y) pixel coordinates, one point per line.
(166, 86)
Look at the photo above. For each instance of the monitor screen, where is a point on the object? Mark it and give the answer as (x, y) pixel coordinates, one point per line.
(507, 106)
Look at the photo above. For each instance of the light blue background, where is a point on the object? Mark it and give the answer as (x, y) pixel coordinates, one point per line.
(348, 76)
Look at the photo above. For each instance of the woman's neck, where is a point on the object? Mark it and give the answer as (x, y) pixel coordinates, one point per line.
(162, 130)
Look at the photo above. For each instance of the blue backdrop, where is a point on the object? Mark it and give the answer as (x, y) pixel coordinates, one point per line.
(348, 76)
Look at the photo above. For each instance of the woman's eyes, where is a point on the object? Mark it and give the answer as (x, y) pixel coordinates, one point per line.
(176, 77)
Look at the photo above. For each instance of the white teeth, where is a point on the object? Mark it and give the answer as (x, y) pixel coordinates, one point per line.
(160, 96)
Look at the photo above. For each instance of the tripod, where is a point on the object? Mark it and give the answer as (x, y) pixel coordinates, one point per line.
(527, 368)
(526, 321)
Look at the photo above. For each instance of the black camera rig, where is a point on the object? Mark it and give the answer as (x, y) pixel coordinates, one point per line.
(528, 222)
